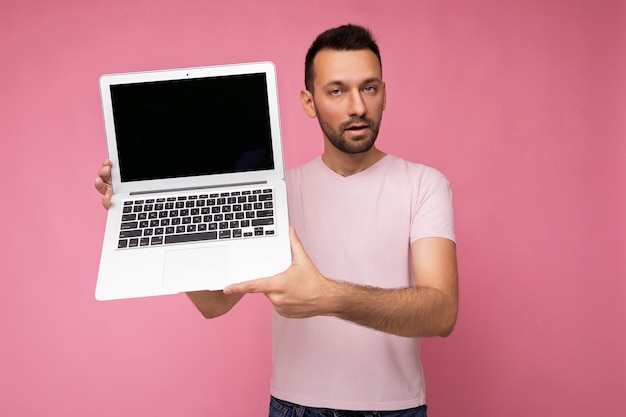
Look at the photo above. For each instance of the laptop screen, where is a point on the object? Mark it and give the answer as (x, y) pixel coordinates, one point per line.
(190, 127)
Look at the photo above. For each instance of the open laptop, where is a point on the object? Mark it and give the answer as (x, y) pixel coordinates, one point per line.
(198, 179)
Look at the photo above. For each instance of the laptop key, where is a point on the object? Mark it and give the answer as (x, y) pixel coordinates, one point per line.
(191, 237)
(266, 221)
(129, 225)
(125, 234)
(265, 213)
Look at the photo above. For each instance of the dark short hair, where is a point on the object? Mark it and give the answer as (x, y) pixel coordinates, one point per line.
(343, 38)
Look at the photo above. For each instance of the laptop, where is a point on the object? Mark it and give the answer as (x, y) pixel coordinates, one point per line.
(198, 179)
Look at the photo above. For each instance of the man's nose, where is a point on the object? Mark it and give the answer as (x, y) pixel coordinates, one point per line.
(356, 105)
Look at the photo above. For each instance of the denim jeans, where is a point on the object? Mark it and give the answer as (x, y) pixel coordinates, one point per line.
(280, 408)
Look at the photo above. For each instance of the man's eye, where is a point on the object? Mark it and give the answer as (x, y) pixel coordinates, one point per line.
(335, 92)
(369, 89)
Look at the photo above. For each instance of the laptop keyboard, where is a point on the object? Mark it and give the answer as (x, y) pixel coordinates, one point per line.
(197, 217)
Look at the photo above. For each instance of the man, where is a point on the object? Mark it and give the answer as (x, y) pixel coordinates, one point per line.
(374, 258)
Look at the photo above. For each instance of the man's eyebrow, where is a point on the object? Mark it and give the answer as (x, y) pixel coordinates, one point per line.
(373, 80)
(343, 84)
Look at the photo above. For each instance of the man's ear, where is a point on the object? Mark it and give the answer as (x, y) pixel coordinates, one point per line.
(306, 98)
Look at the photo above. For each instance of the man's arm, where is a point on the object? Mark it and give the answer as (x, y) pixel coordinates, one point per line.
(210, 303)
(429, 309)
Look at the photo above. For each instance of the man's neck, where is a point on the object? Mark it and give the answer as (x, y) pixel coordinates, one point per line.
(346, 164)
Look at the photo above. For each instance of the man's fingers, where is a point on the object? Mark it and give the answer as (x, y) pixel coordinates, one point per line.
(269, 284)
(106, 201)
(236, 289)
(261, 285)
(103, 183)
(105, 171)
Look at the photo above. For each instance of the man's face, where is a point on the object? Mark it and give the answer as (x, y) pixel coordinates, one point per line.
(348, 98)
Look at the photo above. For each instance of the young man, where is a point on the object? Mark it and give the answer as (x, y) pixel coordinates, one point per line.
(374, 258)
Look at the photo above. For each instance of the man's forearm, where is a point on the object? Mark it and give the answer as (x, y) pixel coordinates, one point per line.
(410, 312)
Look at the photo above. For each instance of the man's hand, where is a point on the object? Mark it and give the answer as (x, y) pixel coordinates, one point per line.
(299, 292)
(103, 183)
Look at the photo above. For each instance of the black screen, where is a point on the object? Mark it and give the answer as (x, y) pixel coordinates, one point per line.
(215, 125)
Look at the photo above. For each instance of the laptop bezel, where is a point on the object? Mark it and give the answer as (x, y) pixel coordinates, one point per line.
(202, 181)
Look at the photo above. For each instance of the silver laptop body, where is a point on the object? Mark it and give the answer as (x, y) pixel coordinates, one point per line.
(198, 178)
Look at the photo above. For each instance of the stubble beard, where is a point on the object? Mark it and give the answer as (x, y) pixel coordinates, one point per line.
(355, 145)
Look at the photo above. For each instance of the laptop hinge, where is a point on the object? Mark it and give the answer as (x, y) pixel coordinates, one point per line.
(211, 187)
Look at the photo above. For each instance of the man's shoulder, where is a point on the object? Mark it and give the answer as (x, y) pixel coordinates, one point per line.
(414, 169)
(298, 170)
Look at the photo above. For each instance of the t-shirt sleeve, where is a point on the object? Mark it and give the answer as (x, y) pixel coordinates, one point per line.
(433, 213)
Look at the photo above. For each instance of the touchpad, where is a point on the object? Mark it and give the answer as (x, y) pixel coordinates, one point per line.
(195, 269)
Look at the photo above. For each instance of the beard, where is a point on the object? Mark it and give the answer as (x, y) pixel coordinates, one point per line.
(357, 144)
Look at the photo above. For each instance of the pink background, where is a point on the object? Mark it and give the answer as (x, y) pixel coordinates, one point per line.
(521, 103)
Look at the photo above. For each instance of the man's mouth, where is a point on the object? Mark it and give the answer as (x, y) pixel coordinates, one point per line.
(357, 127)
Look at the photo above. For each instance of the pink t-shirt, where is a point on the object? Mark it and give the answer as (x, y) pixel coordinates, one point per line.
(358, 229)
